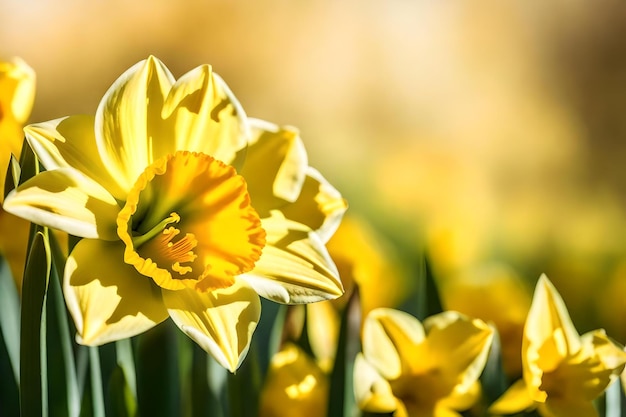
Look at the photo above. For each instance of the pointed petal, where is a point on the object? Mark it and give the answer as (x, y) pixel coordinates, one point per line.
(549, 336)
(319, 206)
(204, 116)
(275, 166)
(549, 314)
(372, 392)
(295, 266)
(459, 345)
(71, 142)
(66, 200)
(389, 338)
(128, 116)
(220, 321)
(516, 399)
(108, 299)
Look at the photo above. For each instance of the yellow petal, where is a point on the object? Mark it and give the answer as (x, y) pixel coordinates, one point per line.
(548, 314)
(274, 167)
(71, 142)
(202, 115)
(295, 266)
(371, 390)
(460, 346)
(516, 399)
(323, 330)
(66, 200)
(220, 321)
(128, 117)
(17, 90)
(319, 206)
(563, 408)
(294, 386)
(549, 336)
(108, 299)
(389, 339)
(611, 355)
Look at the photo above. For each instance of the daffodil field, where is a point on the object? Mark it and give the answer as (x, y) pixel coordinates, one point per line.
(171, 255)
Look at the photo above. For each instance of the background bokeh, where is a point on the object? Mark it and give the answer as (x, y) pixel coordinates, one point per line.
(490, 133)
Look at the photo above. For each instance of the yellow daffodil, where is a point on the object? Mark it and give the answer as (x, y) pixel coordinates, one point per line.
(17, 93)
(294, 386)
(495, 294)
(187, 209)
(563, 372)
(420, 371)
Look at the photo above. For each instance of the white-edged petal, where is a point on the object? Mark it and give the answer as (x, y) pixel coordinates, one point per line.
(108, 299)
(372, 391)
(220, 321)
(66, 200)
(295, 266)
(127, 116)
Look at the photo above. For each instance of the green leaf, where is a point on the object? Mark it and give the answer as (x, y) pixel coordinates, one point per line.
(10, 317)
(64, 393)
(97, 392)
(341, 400)
(245, 385)
(12, 178)
(158, 376)
(425, 301)
(9, 393)
(33, 374)
(493, 379)
(204, 402)
(122, 402)
(29, 164)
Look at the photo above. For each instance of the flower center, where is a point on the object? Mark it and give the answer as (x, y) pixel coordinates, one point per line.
(188, 223)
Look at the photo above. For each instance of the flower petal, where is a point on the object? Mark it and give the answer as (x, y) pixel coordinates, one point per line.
(294, 385)
(459, 345)
(71, 142)
(275, 166)
(389, 340)
(17, 90)
(295, 266)
(549, 336)
(202, 115)
(372, 392)
(66, 200)
(319, 206)
(516, 399)
(220, 321)
(108, 299)
(128, 119)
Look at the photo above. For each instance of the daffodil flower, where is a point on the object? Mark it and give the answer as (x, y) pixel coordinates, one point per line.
(294, 386)
(187, 209)
(415, 370)
(17, 93)
(562, 371)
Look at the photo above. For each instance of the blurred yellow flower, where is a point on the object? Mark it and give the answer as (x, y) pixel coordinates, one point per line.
(17, 93)
(294, 386)
(496, 294)
(563, 372)
(169, 226)
(414, 370)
